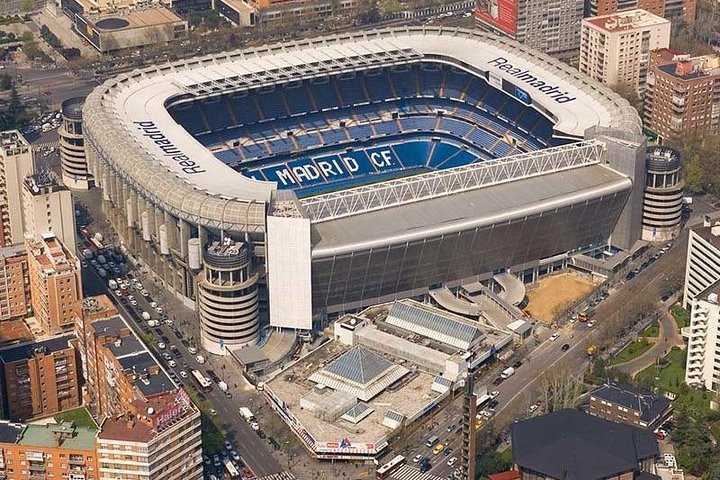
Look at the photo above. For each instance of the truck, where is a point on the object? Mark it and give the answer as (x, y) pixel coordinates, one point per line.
(482, 397)
(200, 359)
(222, 386)
(112, 284)
(507, 373)
(145, 316)
(246, 414)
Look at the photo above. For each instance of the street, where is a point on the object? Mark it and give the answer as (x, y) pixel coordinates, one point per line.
(255, 452)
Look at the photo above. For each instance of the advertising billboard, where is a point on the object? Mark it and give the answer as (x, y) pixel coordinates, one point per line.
(501, 14)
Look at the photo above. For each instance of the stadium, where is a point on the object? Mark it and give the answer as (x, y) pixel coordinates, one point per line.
(362, 168)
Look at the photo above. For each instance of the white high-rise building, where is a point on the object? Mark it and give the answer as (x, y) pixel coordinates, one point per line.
(615, 49)
(16, 163)
(702, 288)
(48, 208)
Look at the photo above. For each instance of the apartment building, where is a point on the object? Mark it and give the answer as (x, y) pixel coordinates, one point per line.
(39, 378)
(683, 94)
(615, 49)
(55, 283)
(701, 369)
(119, 369)
(161, 440)
(627, 404)
(51, 451)
(702, 265)
(701, 297)
(16, 163)
(673, 10)
(48, 208)
(550, 26)
(14, 283)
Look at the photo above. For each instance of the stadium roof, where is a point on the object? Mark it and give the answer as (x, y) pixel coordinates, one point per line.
(360, 372)
(127, 120)
(573, 445)
(476, 208)
(432, 323)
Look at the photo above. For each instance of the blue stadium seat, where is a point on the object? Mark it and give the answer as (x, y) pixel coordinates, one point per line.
(271, 104)
(298, 99)
(456, 127)
(404, 82)
(386, 128)
(415, 152)
(188, 115)
(351, 91)
(459, 158)
(512, 109)
(441, 152)
(430, 81)
(455, 83)
(243, 108)
(378, 87)
(324, 95)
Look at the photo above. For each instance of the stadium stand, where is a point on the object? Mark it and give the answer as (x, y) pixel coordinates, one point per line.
(461, 118)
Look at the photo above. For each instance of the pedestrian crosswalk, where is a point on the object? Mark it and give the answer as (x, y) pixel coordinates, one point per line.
(406, 472)
(278, 476)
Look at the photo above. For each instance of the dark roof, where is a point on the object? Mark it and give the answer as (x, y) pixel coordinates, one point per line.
(670, 69)
(9, 432)
(25, 350)
(650, 406)
(149, 384)
(573, 445)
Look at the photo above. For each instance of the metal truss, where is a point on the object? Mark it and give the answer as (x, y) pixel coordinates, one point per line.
(440, 183)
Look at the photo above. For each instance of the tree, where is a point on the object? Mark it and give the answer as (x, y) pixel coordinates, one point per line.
(629, 93)
(14, 115)
(5, 82)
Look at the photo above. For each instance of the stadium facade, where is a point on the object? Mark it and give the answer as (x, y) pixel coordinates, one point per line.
(365, 167)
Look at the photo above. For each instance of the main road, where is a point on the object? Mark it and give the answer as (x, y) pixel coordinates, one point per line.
(523, 389)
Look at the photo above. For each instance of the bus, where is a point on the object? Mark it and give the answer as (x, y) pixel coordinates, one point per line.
(384, 471)
(203, 383)
(232, 471)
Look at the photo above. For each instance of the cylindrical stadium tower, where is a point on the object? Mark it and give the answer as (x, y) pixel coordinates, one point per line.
(74, 165)
(227, 297)
(662, 203)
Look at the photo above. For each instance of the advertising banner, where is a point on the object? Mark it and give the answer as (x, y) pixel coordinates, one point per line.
(501, 14)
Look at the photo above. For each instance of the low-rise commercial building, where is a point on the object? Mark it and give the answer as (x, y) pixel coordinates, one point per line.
(571, 445)
(39, 378)
(55, 283)
(683, 94)
(626, 404)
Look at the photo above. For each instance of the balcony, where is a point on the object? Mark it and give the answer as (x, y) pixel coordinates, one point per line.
(76, 460)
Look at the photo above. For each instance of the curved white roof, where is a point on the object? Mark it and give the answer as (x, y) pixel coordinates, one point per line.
(127, 121)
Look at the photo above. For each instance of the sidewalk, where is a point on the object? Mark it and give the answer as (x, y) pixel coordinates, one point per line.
(669, 336)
